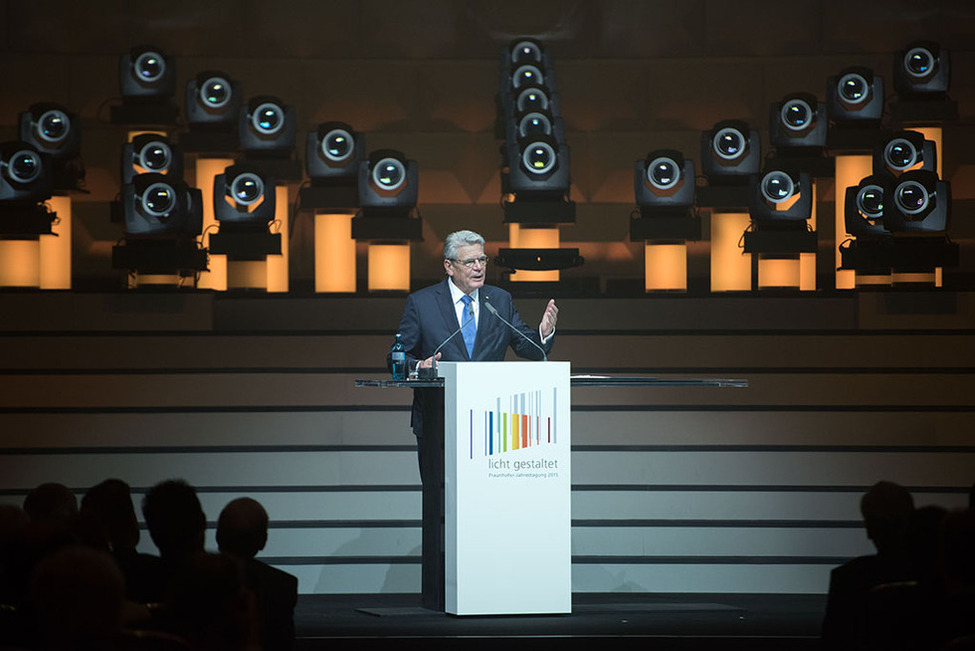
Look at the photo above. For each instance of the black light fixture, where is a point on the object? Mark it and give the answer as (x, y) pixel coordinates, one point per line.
(158, 204)
(903, 151)
(147, 74)
(244, 200)
(855, 95)
(267, 127)
(25, 184)
(781, 197)
(25, 176)
(922, 70)
(147, 83)
(243, 194)
(863, 211)
(664, 183)
(798, 124)
(56, 132)
(730, 153)
(163, 217)
(333, 153)
(52, 129)
(917, 202)
(898, 224)
(213, 101)
(388, 191)
(151, 154)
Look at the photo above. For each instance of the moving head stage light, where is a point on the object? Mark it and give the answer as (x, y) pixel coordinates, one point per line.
(388, 186)
(903, 151)
(147, 83)
(25, 184)
(898, 224)
(244, 200)
(663, 185)
(267, 127)
(56, 132)
(163, 218)
(780, 203)
(151, 154)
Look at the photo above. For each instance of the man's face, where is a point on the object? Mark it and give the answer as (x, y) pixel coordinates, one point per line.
(466, 278)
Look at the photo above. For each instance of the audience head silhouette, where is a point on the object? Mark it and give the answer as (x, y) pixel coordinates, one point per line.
(174, 518)
(886, 508)
(52, 503)
(108, 515)
(242, 528)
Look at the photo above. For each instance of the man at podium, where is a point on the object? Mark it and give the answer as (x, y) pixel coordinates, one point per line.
(461, 319)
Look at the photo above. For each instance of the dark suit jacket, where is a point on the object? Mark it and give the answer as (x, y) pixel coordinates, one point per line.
(430, 318)
(277, 594)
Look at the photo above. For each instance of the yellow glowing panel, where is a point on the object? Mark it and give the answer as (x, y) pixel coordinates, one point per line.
(20, 263)
(206, 170)
(389, 267)
(778, 272)
(522, 237)
(277, 265)
(665, 267)
(334, 253)
(731, 269)
(55, 249)
(850, 170)
(247, 274)
(142, 280)
(914, 278)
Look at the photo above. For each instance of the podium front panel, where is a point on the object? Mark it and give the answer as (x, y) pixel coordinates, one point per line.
(507, 488)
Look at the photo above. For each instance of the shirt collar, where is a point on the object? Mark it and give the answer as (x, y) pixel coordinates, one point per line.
(456, 293)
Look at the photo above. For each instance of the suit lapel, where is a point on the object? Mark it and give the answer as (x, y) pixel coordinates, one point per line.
(449, 313)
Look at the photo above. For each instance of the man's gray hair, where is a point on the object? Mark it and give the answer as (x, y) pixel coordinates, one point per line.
(458, 239)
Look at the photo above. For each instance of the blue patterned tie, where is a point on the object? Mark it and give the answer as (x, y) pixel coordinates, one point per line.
(470, 328)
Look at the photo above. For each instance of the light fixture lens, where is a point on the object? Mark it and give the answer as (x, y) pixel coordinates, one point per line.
(532, 99)
(155, 156)
(729, 143)
(534, 124)
(777, 187)
(525, 51)
(919, 62)
(911, 197)
(870, 201)
(159, 199)
(853, 88)
(53, 126)
(215, 93)
(538, 157)
(247, 188)
(24, 166)
(150, 67)
(268, 119)
(900, 154)
(389, 174)
(796, 115)
(337, 145)
(527, 75)
(663, 173)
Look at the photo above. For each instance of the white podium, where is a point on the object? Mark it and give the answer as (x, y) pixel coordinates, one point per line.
(507, 489)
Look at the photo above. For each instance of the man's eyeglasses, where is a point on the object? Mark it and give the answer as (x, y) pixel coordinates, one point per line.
(470, 262)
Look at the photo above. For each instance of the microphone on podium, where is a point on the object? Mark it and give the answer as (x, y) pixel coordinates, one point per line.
(426, 373)
(494, 311)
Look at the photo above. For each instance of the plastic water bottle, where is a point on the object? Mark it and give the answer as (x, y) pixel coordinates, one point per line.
(399, 358)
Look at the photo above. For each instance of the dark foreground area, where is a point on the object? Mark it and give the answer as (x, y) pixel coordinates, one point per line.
(620, 621)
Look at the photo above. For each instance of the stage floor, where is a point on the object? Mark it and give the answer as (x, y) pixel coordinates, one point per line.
(669, 621)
